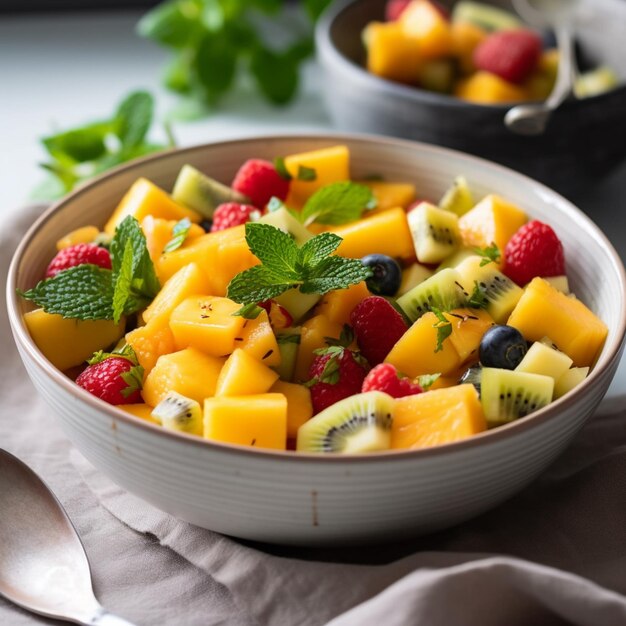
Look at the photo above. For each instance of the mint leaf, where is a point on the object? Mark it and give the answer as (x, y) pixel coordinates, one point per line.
(426, 381)
(338, 203)
(477, 299)
(82, 292)
(444, 328)
(179, 234)
(123, 282)
(255, 285)
(281, 168)
(249, 311)
(134, 118)
(306, 173)
(275, 72)
(490, 254)
(335, 272)
(318, 248)
(275, 249)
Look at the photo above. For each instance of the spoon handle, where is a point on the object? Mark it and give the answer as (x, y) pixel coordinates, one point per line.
(565, 72)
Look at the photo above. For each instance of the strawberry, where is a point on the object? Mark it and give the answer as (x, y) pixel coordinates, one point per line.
(232, 214)
(534, 250)
(510, 54)
(385, 377)
(259, 180)
(394, 9)
(336, 372)
(79, 254)
(278, 315)
(112, 377)
(377, 326)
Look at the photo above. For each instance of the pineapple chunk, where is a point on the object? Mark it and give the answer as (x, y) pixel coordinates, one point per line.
(259, 421)
(542, 359)
(570, 379)
(299, 406)
(413, 276)
(69, 342)
(243, 375)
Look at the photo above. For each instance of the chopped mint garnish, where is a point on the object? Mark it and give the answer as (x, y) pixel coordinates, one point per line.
(477, 299)
(249, 311)
(443, 326)
(338, 203)
(307, 174)
(281, 168)
(426, 381)
(282, 338)
(179, 234)
(490, 254)
(285, 265)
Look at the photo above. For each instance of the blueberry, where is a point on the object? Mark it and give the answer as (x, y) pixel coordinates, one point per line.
(387, 274)
(472, 376)
(502, 346)
(206, 225)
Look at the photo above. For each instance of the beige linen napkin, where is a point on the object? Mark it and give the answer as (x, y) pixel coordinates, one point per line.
(554, 554)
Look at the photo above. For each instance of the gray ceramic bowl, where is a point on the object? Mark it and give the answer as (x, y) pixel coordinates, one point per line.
(585, 139)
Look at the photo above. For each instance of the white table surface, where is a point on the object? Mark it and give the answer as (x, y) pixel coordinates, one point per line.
(60, 71)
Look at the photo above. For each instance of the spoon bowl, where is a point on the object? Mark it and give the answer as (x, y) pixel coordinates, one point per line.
(43, 565)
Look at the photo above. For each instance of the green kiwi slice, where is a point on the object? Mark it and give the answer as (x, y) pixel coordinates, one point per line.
(357, 424)
(458, 198)
(441, 291)
(484, 16)
(507, 395)
(201, 193)
(283, 219)
(178, 412)
(288, 340)
(435, 232)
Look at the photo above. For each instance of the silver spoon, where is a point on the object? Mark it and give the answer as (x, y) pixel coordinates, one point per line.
(532, 119)
(43, 565)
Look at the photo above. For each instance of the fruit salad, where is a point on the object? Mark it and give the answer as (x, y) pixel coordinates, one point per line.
(298, 309)
(480, 53)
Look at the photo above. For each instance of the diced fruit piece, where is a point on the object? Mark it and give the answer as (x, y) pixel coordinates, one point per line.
(429, 26)
(569, 380)
(158, 233)
(390, 195)
(510, 54)
(377, 326)
(79, 254)
(259, 421)
(468, 328)
(84, 234)
(188, 281)
(560, 283)
(456, 258)
(177, 412)
(435, 232)
(258, 180)
(542, 311)
(299, 407)
(338, 304)
(492, 220)
(203, 194)
(232, 214)
(115, 379)
(358, 424)
(413, 276)
(243, 375)
(472, 376)
(331, 165)
(288, 341)
(288, 224)
(189, 372)
(437, 417)
(442, 291)
(151, 341)
(208, 324)
(391, 52)
(499, 293)
(68, 342)
(278, 315)
(415, 353)
(502, 347)
(438, 75)
(312, 338)
(465, 39)
(534, 250)
(484, 16)
(140, 410)
(394, 8)
(386, 378)
(487, 88)
(545, 360)
(383, 233)
(145, 198)
(258, 340)
(386, 274)
(595, 82)
(297, 304)
(507, 395)
(458, 198)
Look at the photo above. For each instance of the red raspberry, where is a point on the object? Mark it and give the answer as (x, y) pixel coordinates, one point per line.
(394, 9)
(259, 180)
(79, 254)
(534, 250)
(377, 326)
(385, 377)
(116, 380)
(232, 214)
(511, 54)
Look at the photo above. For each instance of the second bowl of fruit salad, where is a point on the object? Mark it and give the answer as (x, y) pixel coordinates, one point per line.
(314, 340)
(428, 55)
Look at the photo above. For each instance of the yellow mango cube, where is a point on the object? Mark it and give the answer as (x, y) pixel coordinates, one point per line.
(543, 311)
(487, 88)
(151, 341)
(259, 421)
(392, 53)
(145, 198)
(188, 372)
(243, 375)
(158, 233)
(337, 305)
(141, 410)
(414, 353)
(207, 323)
(69, 342)
(331, 165)
(383, 233)
(390, 195)
(84, 234)
(312, 337)
(468, 328)
(299, 405)
(424, 22)
(257, 338)
(492, 220)
(437, 417)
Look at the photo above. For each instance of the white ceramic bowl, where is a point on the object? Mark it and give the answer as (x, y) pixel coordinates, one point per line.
(314, 499)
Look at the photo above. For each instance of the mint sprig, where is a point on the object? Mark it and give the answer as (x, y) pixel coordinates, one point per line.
(490, 254)
(338, 203)
(311, 268)
(477, 299)
(179, 234)
(444, 328)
